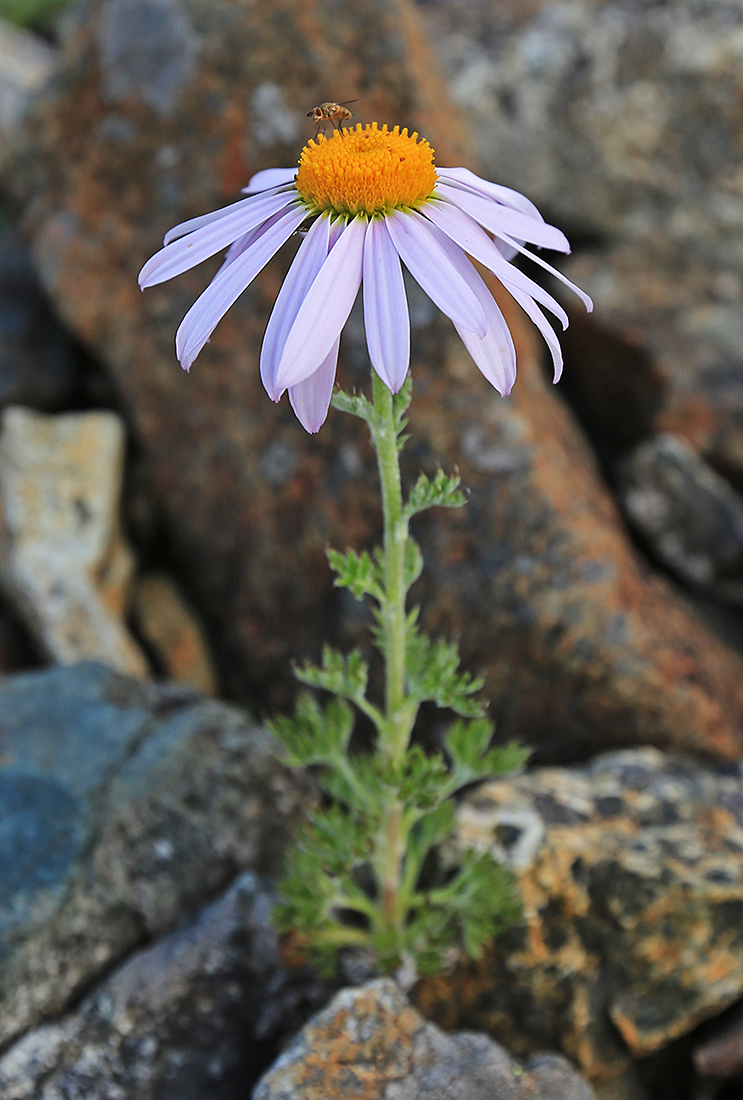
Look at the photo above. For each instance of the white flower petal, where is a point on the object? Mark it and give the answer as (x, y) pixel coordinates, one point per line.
(532, 310)
(268, 178)
(300, 277)
(493, 353)
(325, 309)
(427, 254)
(180, 255)
(462, 177)
(189, 226)
(500, 219)
(465, 232)
(311, 399)
(227, 286)
(386, 317)
(518, 247)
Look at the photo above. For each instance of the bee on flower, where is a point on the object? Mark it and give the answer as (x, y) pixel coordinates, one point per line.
(374, 200)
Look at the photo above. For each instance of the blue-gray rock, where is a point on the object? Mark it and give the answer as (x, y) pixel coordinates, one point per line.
(194, 1016)
(124, 806)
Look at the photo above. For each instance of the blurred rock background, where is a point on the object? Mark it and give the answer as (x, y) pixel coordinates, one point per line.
(173, 528)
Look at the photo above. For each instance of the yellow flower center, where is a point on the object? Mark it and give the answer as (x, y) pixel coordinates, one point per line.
(366, 170)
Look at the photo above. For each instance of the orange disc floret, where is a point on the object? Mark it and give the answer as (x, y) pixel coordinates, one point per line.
(367, 170)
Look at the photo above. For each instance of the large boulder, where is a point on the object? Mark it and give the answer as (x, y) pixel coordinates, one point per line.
(124, 807)
(161, 109)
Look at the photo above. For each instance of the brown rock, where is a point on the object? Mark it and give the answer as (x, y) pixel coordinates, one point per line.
(631, 874)
(577, 644)
(170, 628)
(370, 1044)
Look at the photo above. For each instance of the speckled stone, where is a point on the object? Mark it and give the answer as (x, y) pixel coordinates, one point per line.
(631, 873)
(371, 1045)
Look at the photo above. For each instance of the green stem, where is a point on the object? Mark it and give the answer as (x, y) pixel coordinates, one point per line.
(400, 712)
(400, 716)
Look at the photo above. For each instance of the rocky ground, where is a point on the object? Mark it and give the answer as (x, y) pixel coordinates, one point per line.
(169, 533)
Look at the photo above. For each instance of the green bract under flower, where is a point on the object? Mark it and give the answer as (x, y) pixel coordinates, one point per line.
(367, 170)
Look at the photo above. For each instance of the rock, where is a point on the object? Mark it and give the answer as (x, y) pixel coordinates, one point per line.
(26, 63)
(577, 644)
(38, 367)
(182, 1018)
(369, 1043)
(631, 873)
(170, 629)
(623, 120)
(125, 807)
(720, 1055)
(689, 516)
(63, 560)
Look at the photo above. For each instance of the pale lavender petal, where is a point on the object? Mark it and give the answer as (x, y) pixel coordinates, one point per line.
(386, 317)
(325, 309)
(532, 310)
(227, 286)
(494, 353)
(427, 253)
(189, 226)
(268, 178)
(462, 177)
(185, 253)
(300, 277)
(465, 232)
(238, 247)
(500, 219)
(585, 298)
(311, 399)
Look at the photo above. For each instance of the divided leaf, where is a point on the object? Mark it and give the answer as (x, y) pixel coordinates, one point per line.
(442, 491)
(315, 735)
(433, 674)
(358, 572)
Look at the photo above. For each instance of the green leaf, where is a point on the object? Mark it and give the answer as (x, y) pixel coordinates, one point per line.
(413, 562)
(442, 491)
(483, 898)
(467, 745)
(358, 572)
(355, 404)
(433, 674)
(315, 735)
(340, 674)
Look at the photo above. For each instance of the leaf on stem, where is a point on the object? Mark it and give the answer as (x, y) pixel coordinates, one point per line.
(340, 674)
(433, 674)
(315, 735)
(441, 491)
(467, 745)
(358, 572)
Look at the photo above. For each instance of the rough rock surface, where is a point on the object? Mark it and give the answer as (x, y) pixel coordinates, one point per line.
(631, 872)
(624, 120)
(369, 1043)
(194, 1016)
(63, 560)
(124, 806)
(171, 630)
(536, 575)
(690, 517)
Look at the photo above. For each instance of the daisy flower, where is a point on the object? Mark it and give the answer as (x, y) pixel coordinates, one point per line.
(370, 198)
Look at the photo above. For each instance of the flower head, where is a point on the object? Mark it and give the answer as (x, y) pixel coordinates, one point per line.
(372, 197)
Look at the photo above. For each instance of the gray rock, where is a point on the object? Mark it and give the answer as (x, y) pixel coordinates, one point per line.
(183, 1019)
(64, 562)
(26, 62)
(623, 119)
(631, 875)
(125, 806)
(369, 1042)
(691, 518)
